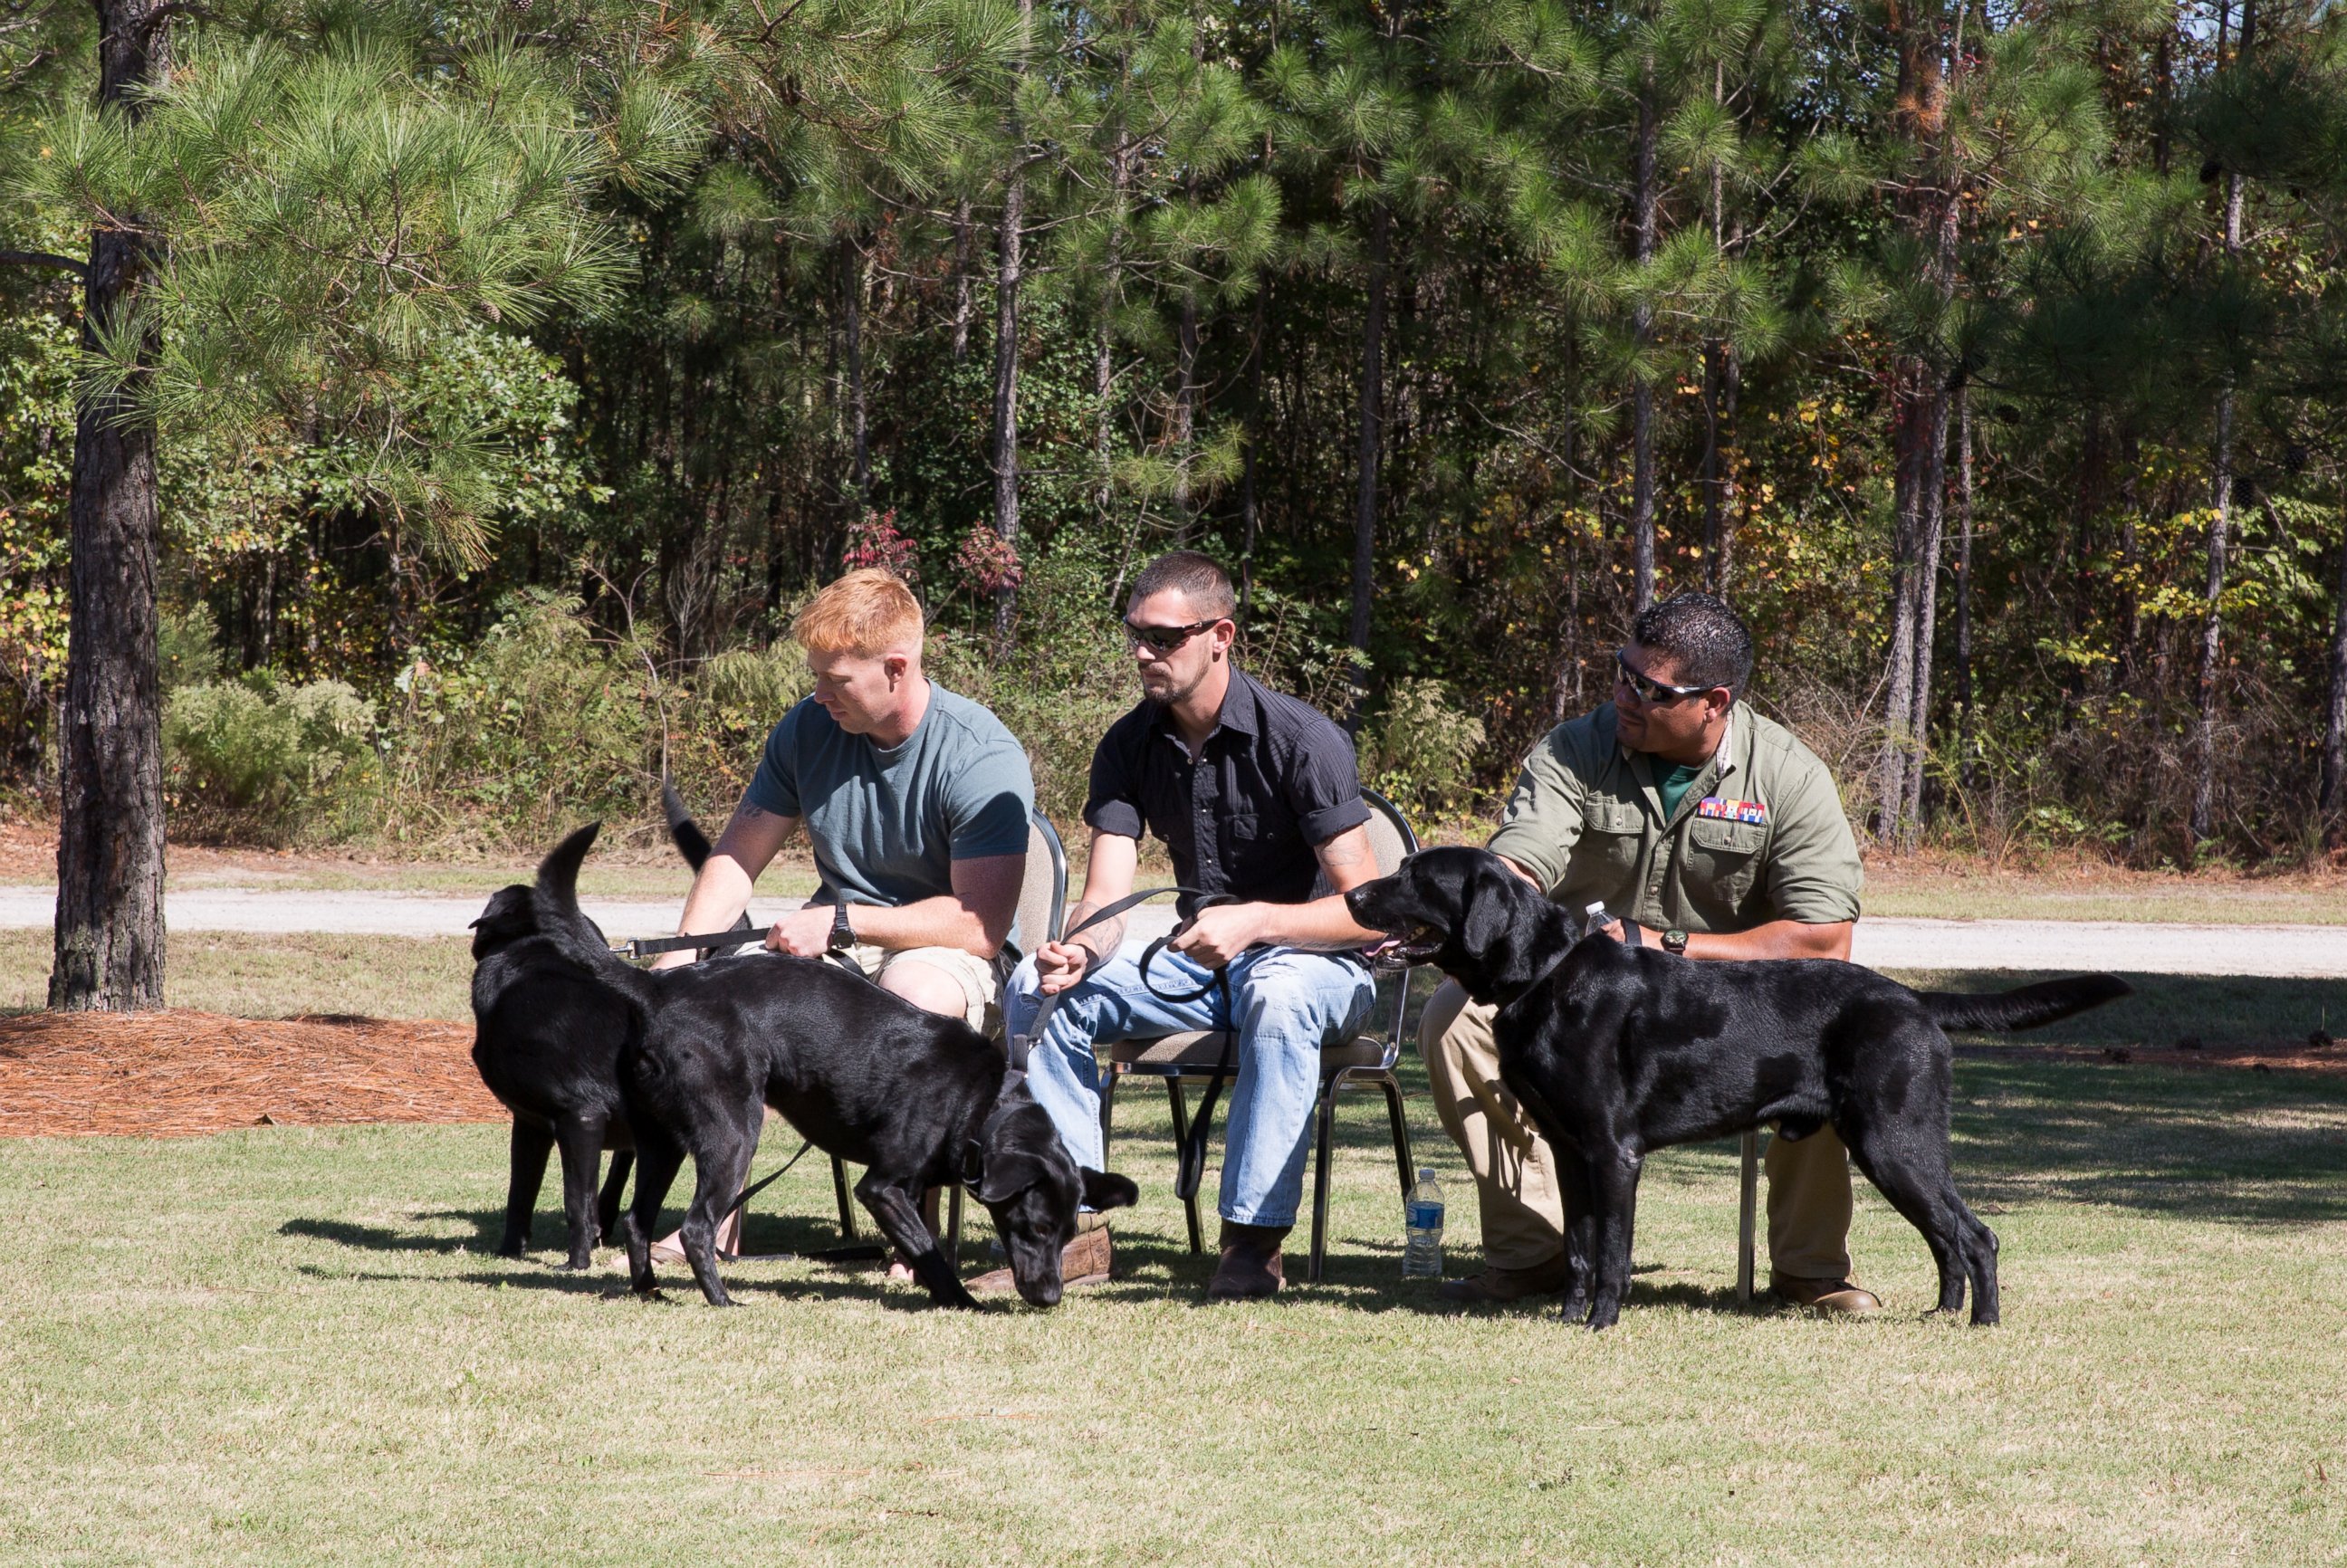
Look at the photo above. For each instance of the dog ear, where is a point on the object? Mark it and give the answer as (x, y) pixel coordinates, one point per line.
(1103, 1191)
(1009, 1171)
(1488, 924)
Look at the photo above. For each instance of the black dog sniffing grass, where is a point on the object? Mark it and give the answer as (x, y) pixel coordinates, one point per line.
(918, 1099)
(1615, 1051)
(547, 1040)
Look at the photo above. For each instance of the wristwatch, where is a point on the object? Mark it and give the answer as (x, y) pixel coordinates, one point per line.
(843, 935)
(1675, 941)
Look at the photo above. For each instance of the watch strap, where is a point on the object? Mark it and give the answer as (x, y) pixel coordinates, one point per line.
(843, 935)
(1633, 936)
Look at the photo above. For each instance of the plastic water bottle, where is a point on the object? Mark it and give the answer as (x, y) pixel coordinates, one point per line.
(1421, 1257)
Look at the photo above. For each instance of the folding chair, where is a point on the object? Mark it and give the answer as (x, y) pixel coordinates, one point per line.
(1365, 1061)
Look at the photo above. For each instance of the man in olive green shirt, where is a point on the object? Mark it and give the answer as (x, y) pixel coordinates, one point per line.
(1704, 829)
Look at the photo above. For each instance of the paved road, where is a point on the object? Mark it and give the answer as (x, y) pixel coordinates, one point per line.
(2318, 951)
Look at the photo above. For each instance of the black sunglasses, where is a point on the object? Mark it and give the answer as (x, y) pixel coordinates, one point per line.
(1164, 638)
(1647, 688)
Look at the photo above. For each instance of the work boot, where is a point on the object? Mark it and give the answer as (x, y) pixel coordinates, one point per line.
(1836, 1297)
(1083, 1263)
(1497, 1284)
(1250, 1267)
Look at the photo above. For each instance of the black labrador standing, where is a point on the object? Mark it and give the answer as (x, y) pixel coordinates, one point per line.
(1616, 1050)
(920, 1100)
(548, 1034)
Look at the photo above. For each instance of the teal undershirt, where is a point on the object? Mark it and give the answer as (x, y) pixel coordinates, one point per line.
(1672, 786)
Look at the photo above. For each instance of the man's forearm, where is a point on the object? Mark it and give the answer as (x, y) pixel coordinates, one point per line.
(944, 921)
(721, 891)
(1104, 940)
(1777, 939)
(1322, 923)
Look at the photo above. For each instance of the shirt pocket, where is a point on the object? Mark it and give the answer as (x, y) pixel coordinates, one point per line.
(1253, 847)
(1613, 831)
(1723, 860)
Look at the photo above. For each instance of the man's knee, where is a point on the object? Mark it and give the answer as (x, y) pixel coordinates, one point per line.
(926, 987)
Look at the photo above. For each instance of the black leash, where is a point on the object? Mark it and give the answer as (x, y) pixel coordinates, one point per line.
(756, 1187)
(741, 936)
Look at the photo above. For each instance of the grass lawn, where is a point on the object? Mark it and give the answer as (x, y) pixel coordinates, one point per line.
(291, 1345)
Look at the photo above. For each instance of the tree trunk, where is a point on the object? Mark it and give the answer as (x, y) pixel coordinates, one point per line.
(1249, 514)
(1964, 584)
(2333, 796)
(108, 951)
(1927, 604)
(2212, 627)
(1365, 507)
(961, 265)
(860, 470)
(1645, 203)
(1185, 415)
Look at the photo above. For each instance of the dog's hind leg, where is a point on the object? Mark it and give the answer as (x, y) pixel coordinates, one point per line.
(720, 1166)
(607, 1207)
(899, 1214)
(582, 1158)
(658, 1160)
(1909, 1166)
(1613, 1183)
(531, 1144)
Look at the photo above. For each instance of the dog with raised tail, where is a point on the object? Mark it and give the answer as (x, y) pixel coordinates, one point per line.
(1615, 1051)
(920, 1099)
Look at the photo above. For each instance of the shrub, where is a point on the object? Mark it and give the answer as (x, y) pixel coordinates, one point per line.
(278, 757)
(1421, 751)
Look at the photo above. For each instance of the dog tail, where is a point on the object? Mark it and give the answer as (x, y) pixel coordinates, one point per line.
(2026, 1008)
(554, 899)
(690, 841)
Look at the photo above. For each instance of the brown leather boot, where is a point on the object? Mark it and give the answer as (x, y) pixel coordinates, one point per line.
(1250, 1268)
(1083, 1262)
(1837, 1297)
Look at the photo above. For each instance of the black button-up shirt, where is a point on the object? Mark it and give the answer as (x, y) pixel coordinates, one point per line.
(1274, 781)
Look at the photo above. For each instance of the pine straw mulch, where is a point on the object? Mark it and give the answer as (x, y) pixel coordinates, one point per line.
(178, 1073)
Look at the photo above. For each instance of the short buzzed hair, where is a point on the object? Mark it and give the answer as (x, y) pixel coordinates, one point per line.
(1698, 632)
(1197, 577)
(868, 612)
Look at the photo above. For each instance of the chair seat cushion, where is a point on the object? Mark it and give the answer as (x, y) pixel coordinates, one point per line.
(1199, 1050)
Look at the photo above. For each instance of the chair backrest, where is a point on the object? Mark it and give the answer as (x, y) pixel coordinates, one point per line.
(1043, 889)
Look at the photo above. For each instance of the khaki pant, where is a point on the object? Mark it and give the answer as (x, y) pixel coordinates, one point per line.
(981, 993)
(1515, 1171)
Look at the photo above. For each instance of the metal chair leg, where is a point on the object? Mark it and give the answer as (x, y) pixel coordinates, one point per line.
(1751, 1182)
(1108, 1109)
(1182, 1135)
(1322, 1137)
(847, 1204)
(1403, 1160)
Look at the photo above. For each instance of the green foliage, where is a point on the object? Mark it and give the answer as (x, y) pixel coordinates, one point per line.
(1421, 751)
(282, 757)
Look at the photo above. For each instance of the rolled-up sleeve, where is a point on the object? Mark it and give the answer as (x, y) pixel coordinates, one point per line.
(1542, 822)
(1112, 805)
(1324, 786)
(1814, 875)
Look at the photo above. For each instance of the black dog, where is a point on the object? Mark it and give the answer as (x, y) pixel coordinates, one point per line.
(548, 1036)
(918, 1099)
(1616, 1050)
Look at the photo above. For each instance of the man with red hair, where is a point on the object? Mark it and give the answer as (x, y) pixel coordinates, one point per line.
(915, 800)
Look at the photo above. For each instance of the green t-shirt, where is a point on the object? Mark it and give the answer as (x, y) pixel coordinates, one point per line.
(887, 826)
(1672, 786)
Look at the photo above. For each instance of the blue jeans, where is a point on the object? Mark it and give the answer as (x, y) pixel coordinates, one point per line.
(1285, 1003)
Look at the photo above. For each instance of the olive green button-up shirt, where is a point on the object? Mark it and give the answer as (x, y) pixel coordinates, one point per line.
(1759, 837)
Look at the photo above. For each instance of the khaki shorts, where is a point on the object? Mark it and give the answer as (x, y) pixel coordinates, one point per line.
(981, 998)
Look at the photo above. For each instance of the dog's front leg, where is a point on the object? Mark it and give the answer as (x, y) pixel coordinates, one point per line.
(899, 1214)
(1613, 1182)
(531, 1144)
(607, 1207)
(1580, 1233)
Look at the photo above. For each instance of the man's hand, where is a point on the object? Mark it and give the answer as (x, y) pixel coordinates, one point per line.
(677, 959)
(1221, 933)
(803, 933)
(1059, 965)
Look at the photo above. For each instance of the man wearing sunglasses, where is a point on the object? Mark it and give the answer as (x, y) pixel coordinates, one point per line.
(1254, 795)
(1706, 830)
